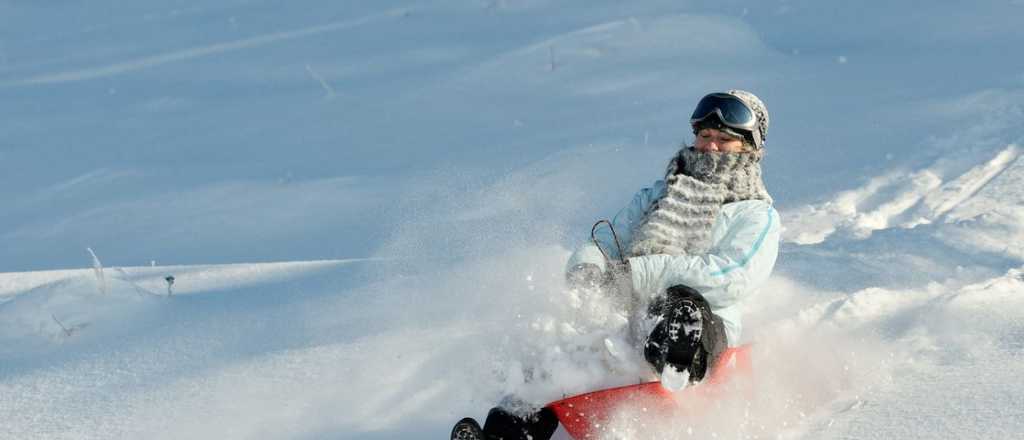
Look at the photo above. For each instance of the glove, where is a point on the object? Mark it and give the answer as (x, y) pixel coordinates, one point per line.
(585, 275)
(619, 275)
(589, 275)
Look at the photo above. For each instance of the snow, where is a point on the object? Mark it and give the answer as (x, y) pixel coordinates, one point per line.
(366, 207)
(675, 380)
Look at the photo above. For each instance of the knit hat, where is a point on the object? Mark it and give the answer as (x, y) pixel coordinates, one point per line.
(751, 100)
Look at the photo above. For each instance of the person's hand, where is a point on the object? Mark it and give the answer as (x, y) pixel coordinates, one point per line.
(619, 274)
(585, 275)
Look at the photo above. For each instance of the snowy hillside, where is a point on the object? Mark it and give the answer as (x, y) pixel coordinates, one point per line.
(366, 207)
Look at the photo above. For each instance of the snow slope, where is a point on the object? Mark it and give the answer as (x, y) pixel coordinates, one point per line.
(366, 207)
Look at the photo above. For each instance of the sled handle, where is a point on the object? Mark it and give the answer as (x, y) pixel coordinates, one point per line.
(593, 237)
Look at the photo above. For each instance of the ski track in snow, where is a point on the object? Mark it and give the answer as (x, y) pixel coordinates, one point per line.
(198, 52)
(894, 200)
(956, 192)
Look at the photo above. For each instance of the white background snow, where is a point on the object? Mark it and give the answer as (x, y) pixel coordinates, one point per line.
(367, 205)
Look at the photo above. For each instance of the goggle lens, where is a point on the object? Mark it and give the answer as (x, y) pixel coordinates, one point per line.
(730, 110)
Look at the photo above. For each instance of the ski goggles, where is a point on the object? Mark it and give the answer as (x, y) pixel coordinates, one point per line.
(729, 109)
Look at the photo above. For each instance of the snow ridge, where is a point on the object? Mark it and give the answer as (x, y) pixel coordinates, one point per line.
(896, 200)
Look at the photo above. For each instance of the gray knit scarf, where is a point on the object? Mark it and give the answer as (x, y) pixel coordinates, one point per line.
(698, 185)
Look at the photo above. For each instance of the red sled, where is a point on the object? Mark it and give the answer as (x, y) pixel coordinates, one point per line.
(584, 416)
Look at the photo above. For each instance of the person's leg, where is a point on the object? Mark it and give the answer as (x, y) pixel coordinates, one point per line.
(687, 335)
(503, 425)
(468, 429)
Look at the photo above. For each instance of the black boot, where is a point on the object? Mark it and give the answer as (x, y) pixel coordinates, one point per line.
(503, 425)
(687, 335)
(467, 429)
(675, 339)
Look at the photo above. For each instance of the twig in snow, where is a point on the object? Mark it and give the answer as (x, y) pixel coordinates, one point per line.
(323, 83)
(138, 289)
(97, 268)
(67, 332)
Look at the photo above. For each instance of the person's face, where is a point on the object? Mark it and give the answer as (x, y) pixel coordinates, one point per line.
(717, 141)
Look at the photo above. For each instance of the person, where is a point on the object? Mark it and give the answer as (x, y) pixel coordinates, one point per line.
(690, 250)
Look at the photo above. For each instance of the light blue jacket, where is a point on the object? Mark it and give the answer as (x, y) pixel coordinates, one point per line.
(745, 244)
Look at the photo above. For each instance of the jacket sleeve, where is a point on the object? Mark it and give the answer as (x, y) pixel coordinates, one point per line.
(741, 261)
(623, 222)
